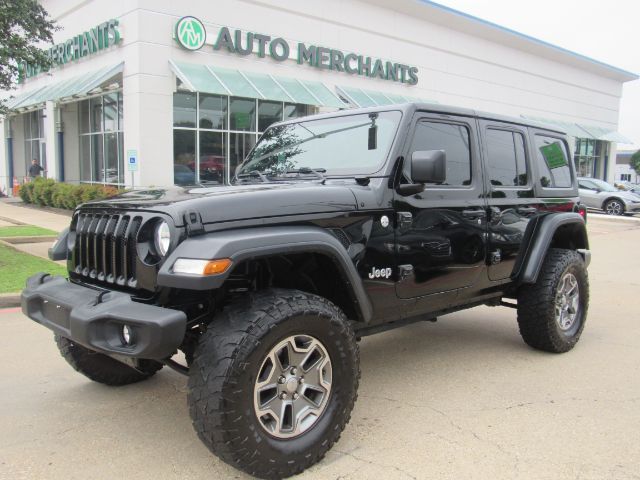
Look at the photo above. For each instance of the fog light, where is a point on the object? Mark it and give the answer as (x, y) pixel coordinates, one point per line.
(127, 335)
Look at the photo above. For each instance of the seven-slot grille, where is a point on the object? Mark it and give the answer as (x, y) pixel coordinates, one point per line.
(105, 247)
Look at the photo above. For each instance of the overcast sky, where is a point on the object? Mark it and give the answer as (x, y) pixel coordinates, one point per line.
(607, 31)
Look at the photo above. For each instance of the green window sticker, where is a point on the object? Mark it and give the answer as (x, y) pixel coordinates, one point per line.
(553, 155)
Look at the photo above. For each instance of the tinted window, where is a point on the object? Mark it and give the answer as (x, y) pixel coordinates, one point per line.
(506, 152)
(454, 140)
(552, 160)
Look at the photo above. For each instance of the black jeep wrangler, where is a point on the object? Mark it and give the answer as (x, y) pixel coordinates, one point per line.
(335, 226)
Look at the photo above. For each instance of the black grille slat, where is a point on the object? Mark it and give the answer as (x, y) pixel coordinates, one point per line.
(98, 264)
(119, 253)
(107, 248)
(131, 241)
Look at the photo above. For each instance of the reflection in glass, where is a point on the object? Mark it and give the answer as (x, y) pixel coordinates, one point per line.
(98, 159)
(95, 108)
(240, 144)
(268, 113)
(184, 157)
(213, 111)
(184, 109)
(242, 114)
(212, 158)
(111, 157)
(110, 112)
(85, 158)
(337, 145)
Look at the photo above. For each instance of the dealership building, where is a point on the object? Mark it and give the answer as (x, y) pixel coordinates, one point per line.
(153, 93)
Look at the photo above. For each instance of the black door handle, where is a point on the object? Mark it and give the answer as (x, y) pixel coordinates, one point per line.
(477, 213)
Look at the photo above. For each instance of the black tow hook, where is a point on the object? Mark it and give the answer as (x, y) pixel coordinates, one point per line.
(172, 364)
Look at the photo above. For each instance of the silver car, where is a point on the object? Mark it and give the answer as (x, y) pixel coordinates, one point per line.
(599, 194)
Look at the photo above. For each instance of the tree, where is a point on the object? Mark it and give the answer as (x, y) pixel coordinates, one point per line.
(635, 162)
(24, 26)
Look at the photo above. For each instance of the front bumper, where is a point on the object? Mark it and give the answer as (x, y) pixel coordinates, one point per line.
(95, 318)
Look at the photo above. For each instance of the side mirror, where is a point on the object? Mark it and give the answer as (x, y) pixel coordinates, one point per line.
(429, 166)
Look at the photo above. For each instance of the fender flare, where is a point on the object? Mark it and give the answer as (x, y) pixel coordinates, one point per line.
(540, 240)
(246, 244)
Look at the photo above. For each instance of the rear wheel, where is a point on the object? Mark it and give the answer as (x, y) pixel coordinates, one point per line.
(552, 312)
(102, 368)
(273, 382)
(614, 207)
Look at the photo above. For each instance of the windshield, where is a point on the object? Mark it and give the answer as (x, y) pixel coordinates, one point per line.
(345, 145)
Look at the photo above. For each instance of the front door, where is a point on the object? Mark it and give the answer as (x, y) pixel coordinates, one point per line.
(441, 232)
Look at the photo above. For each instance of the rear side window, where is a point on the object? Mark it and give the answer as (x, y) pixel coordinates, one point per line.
(454, 140)
(553, 162)
(506, 158)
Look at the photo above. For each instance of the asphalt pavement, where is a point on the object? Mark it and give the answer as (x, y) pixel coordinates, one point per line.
(463, 398)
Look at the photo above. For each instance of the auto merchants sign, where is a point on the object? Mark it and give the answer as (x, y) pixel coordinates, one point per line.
(191, 34)
(87, 43)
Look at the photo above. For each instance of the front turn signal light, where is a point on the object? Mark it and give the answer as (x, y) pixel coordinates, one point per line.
(192, 266)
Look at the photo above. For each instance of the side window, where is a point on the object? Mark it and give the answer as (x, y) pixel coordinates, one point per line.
(586, 185)
(552, 160)
(454, 140)
(507, 158)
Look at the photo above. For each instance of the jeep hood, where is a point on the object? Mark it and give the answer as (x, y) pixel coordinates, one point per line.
(236, 202)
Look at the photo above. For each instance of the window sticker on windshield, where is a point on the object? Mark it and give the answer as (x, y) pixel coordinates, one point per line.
(553, 155)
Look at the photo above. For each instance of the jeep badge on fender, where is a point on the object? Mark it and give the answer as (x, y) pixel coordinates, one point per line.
(265, 286)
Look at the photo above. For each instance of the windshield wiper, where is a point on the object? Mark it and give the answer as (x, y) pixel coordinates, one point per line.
(254, 173)
(318, 172)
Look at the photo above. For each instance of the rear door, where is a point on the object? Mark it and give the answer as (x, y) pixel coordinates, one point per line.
(441, 232)
(512, 203)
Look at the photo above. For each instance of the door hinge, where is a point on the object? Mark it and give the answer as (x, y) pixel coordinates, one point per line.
(405, 219)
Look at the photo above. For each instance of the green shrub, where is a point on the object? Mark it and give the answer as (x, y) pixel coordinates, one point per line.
(43, 191)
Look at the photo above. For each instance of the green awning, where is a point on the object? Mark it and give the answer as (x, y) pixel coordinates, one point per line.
(65, 89)
(370, 98)
(237, 83)
(570, 128)
(605, 134)
(579, 130)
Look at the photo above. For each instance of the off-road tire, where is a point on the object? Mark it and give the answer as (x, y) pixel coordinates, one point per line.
(102, 368)
(223, 374)
(536, 303)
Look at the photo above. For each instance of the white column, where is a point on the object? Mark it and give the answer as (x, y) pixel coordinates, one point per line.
(51, 139)
(611, 164)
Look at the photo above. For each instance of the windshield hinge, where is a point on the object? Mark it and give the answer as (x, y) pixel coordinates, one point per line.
(193, 223)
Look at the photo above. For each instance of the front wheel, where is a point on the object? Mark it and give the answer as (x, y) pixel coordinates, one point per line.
(614, 207)
(273, 382)
(552, 312)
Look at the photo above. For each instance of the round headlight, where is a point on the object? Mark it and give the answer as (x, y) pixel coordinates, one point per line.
(162, 238)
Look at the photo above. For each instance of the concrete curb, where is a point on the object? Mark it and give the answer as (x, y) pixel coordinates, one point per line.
(9, 300)
(36, 239)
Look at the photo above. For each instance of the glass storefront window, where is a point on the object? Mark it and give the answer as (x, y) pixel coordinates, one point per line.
(212, 112)
(34, 142)
(184, 157)
(111, 112)
(242, 114)
(295, 110)
(212, 158)
(212, 134)
(268, 113)
(184, 110)
(240, 144)
(95, 108)
(101, 139)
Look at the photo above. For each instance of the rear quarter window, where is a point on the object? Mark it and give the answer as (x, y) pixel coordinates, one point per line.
(553, 162)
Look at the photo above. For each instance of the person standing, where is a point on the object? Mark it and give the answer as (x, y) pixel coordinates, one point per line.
(35, 169)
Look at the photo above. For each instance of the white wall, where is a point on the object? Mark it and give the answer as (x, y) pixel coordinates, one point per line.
(463, 64)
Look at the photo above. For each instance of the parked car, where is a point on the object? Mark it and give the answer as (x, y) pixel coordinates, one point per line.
(183, 175)
(601, 195)
(628, 187)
